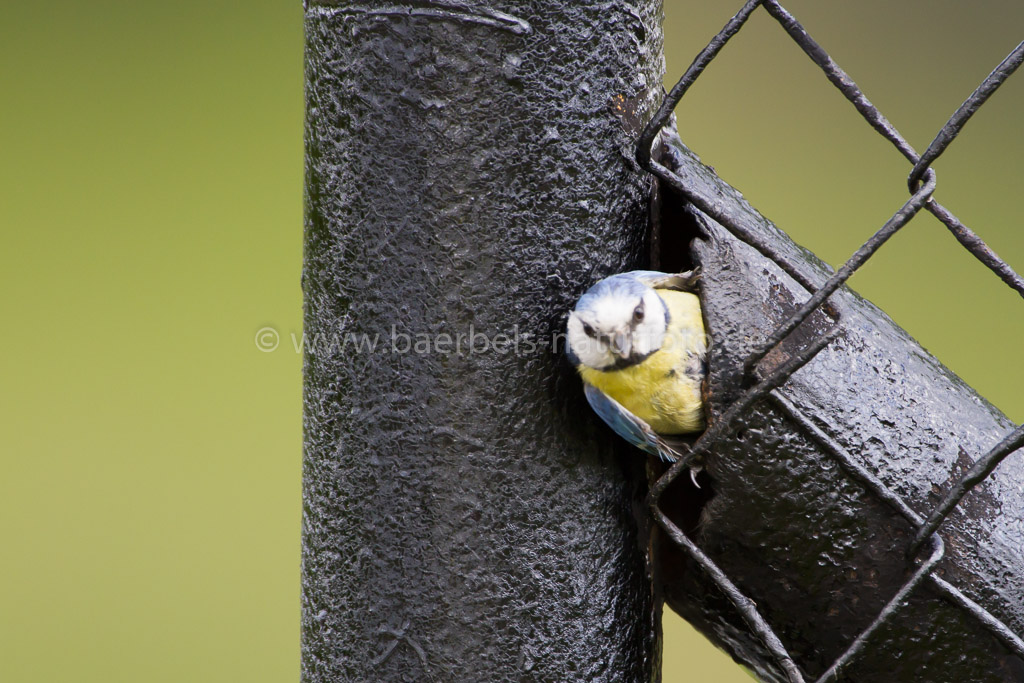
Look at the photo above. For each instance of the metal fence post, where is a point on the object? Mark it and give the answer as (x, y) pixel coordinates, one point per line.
(469, 173)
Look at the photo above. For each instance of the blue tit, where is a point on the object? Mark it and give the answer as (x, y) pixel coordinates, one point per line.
(637, 340)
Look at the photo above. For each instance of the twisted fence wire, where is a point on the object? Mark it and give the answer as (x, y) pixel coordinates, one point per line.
(921, 182)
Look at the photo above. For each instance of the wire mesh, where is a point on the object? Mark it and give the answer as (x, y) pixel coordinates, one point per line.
(921, 182)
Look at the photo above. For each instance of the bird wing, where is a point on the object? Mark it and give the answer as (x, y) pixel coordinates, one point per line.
(683, 282)
(629, 426)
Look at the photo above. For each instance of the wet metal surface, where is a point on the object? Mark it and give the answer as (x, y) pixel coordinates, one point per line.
(877, 445)
(470, 168)
(821, 484)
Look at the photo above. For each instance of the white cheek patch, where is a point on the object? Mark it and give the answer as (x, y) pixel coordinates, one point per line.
(591, 352)
(649, 335)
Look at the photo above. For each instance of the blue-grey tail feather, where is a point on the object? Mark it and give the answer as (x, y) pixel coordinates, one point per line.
(629, 426)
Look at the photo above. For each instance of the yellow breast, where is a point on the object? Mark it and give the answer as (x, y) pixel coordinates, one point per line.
(659, 390)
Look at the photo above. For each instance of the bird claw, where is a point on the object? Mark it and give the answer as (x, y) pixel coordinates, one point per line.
(693, 475)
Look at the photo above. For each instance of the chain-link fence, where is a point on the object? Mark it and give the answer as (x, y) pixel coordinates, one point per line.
(926, 548)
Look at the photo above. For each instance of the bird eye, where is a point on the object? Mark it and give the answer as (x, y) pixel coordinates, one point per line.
(588, 330)
(638, 312)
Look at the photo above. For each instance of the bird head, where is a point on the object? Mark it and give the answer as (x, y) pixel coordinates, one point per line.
(617, 323)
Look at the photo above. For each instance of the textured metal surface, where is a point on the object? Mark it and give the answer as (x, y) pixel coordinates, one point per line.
(817, 551)
(469, 169)
(990, 570)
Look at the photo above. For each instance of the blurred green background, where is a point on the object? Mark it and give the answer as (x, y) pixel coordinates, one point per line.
(150, 224)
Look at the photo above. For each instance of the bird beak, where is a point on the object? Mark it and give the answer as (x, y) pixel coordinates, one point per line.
(622, 344)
